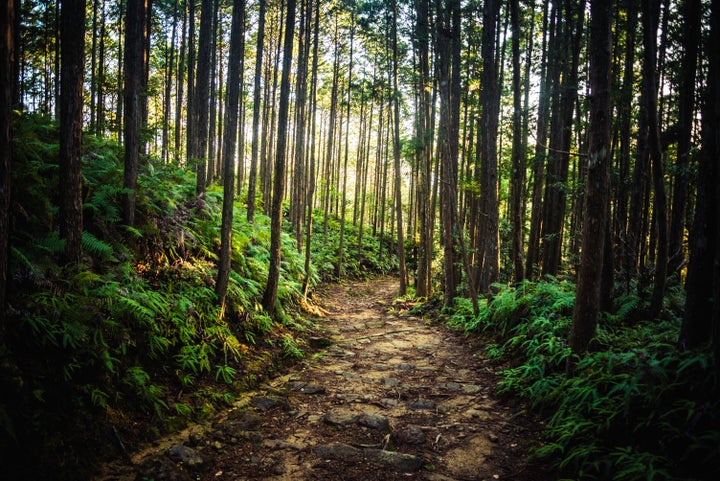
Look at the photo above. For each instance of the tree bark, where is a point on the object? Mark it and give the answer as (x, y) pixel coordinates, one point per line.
(555, 201)
(341, 247)
(71, 123)
(7, 83)
(518, 154)
(489, 261)
(228, 151)
(447, 137)
(402, 271)
(650, 16)
(691, 39)
(539, 161)
(270, 296)
(252, 176)
(165, 154)
(202, 99)
(134, 89)
(313, 117)
(702, 320)
(587, 298)
(624, 108)
(422, 284)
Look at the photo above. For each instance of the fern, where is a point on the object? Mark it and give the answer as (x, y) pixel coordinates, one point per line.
(95, 246)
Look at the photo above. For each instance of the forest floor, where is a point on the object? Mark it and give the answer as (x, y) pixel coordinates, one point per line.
(383, 396)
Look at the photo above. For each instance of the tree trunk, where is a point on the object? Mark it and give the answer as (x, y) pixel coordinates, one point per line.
(624, 109)
(231, 119)
(202, 98)
(71, 123)
(270, 296)
(214, 164)
(299, 179)
(489, 261)
(271, 112)
(423, 284)
(557, 175)
(331, 134)
(180, 82)
(448, 137)
(100, 90)
(165, 154)
(341, 247)
(650, 15)
(518, 154)
(691, 39)
(547, 80)
(587, 298)
(7, 82)
(134, 88)
(402, 271)
(191, 135)
(702, 320)
(311, 177)
(252, 177)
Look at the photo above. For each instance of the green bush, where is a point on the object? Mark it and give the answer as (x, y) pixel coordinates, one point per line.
(635, 407)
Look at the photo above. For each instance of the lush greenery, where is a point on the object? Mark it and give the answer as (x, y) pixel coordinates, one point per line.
(636, 407)
(135, 339)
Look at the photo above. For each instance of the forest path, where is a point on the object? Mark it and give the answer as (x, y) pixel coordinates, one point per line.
(393, 397)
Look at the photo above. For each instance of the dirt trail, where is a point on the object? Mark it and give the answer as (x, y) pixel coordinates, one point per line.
(391, 398)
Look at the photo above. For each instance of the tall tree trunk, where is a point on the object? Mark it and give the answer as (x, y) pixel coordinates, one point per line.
(558, 165)
(489, 261)
(71, 123)
(650, 16)
(422, 284)
(597, 187)
(93, 65)
(547, 78)
(202, 98)
(7, 82)
(518, 154)
(341, 247)
(146, 77)
(331, 133)
(448, 137)
(402, 271)
(180, 82)
(100, 90)
(270, 140)
(624, 109)
(252, 176)
(214, 166)
(702, 308)
(120, 77)
(134, 89)
(691, 39)
(191, 136)
(270, 295)
(231, 119)
(299, 179)
(165, 154)
(311, 143)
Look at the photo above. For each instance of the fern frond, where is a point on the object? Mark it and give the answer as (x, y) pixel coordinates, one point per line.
(95, 246)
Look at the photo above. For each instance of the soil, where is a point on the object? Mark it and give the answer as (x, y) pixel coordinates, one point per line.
(382, 395)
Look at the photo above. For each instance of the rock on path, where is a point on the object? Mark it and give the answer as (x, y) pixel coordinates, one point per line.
(390, 397)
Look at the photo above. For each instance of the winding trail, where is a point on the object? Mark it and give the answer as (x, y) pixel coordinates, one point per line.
(391, 397)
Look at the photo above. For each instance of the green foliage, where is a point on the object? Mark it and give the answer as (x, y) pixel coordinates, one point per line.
(375, 256)
(139, 321)
(634, 408)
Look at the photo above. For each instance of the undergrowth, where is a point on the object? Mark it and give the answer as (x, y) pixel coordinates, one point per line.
(133, 342)
(636, 407)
